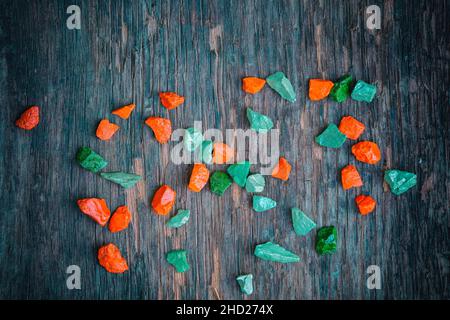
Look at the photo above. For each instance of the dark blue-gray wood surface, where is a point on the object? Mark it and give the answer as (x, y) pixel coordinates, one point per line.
(127, 51)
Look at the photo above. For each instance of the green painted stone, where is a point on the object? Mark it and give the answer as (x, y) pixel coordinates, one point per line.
(331, 137)
(326, 240)
(192, 139)
(178, 259)
(239, 172)
(261, 204)
(181, 218)
(282, 85)
(125, 180)
(219, 182)
(90, 160)
(204, 153)
(301, 222)
(258, 121)
(245, 282)
(400, 181)
(255, 183)
(364, 91)
(341, 89)
(274, 252)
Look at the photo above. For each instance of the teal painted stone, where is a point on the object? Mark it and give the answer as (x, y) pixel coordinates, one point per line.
(364, 91)
(125, 180)
(219, 182)
(282, 85)
(301, 222)
(258, 121)
(245, 282)
(204, 153)
(90, 160)
(326, 241)
(331, 137)
(239, 172)
(255, 183)
(261, 204)
(273, 252)
(341, 89)
(192, 139)
(180, 219)
(178, 258)
(400, 181)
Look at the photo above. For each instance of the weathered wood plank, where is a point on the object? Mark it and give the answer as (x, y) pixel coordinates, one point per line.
(128, 51)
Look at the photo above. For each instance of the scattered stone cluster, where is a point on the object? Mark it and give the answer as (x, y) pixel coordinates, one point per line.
(164, 199)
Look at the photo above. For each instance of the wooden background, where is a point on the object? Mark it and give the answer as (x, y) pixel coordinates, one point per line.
(127, 51)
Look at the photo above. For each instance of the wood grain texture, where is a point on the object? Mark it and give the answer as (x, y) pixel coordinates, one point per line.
(127, 51)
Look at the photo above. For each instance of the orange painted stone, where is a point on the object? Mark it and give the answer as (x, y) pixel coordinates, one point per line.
(367, 151)
(222, 153)
(29, 118)
(350, 177)
(111, 259)
(170, 100)
(163, 200)
(106, 129)
(253, 84)
(319, 89)
(282, 169)
(120, 219)
(96, 209)
(366, 204)
(162, 128)
(351, 127)
(125, 111)
(199, 177)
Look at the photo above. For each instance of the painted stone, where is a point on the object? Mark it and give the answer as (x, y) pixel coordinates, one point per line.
(331, 137)
(261, 204)
(363, 91)
(255, 183)
(245, 282)
(273, 252)
(125, 180)
(178, 258)
(301, 222)
(219, 182)
(341, 89)
(400, 181)
(282, 86)
(180, 219)
(192, 139)
(90, 160)
(258, 121)
(239, 172)
(326, 241)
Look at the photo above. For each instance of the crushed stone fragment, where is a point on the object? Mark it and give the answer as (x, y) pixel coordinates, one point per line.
(282, 86)
(273, 252)
(261, 204)
(255, 183)
(301, 222)
(239, 172)
(331, 137)
(400, 181)
(123, 179)
(258, 121)
(178, 258)
(326, 240)
(90, 160)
